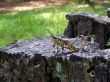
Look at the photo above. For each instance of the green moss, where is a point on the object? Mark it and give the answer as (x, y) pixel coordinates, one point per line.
(108, 43)
(58, 69)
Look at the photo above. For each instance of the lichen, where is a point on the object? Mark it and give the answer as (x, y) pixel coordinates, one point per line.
(58, 69)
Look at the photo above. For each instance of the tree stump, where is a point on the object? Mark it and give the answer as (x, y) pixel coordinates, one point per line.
(88, 24)
(35, 61)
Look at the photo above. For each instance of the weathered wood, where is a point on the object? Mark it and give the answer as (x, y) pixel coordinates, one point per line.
(34, 61)
(87, 24)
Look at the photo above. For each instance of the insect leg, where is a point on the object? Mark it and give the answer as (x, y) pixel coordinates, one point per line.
(57, 49)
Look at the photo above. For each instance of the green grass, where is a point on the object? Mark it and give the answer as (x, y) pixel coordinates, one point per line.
(33, 24)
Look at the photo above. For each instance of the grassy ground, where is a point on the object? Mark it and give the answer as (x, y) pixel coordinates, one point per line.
(33, 24)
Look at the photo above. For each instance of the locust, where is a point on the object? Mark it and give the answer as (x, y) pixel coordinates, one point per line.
(63, 43)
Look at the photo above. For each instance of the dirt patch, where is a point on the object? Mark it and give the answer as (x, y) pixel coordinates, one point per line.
(22, 6)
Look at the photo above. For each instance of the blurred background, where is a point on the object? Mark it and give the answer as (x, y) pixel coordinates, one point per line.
(29, 19)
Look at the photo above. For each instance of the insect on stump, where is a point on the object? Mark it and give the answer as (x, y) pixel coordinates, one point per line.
(60, 44)
(63, 43)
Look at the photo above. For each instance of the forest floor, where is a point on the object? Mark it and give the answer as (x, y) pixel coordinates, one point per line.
(29, 5)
